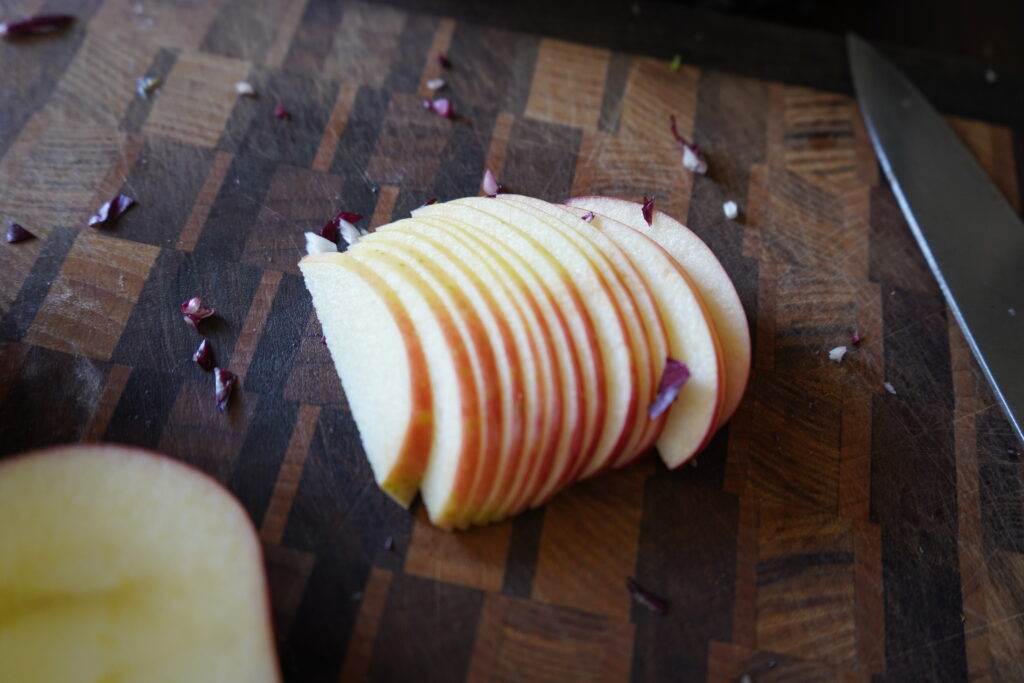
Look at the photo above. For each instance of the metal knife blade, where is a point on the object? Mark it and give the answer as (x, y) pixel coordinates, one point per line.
(971, 237)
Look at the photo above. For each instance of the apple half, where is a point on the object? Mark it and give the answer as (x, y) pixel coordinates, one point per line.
(119, 564)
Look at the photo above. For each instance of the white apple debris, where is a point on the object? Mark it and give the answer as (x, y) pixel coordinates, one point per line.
(435, 84)
(146, 86)
(693, 160)
(349, 232)
(315, 244)
(245, 89)
(990, 76)
(490, 184)
(1012, 311)
(837, 354)
(223, 383)
(203, 357)
(730, 210)
(890, 388)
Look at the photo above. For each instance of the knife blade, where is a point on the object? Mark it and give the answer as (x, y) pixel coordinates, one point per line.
(971, 237)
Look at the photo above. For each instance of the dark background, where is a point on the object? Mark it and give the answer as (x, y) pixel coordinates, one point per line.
(945, 46)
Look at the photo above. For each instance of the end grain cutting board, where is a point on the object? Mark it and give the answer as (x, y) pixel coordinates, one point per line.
(833, 531)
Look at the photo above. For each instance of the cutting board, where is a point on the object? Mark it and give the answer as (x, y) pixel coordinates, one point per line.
(855, 519)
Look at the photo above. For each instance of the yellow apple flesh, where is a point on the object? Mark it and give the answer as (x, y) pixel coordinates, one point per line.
(576, 282)
(641, 315)
(692, 339)
(711, 280)
(560, 377)
(492, 342)
(118, 564)
(382, 365)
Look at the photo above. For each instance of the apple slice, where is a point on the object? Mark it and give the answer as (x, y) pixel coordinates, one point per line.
(382, 366)
(455, 414)
(492, 343)
(609, 306)
(577, 286)
(641, 315)
(118, 564)
(711, 280)
(568, 366)
(692, 339)
(528, 353)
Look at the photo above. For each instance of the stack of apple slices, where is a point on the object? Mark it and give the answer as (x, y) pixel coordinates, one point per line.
(494, 350)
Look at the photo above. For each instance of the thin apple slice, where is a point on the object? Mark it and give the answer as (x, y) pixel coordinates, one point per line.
(119, 564)
(456, 414)
(566, 366)
(382, 366)
(625, 285)
(648, 316)
(598, 287)
(529, 356)
(492, 342)
(577, 287)
(449, 486)
(712, 282)
(691, 338)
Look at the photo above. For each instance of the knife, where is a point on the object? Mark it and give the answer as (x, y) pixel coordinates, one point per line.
(971, 237)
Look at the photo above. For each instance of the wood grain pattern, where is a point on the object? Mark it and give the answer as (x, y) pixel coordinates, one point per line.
(439, 45)
(116, 381)
(360, 648)
(194, 105)
(288, 478)
(89, 304)
(831, 531)
(475, 558)
(335, 127)
(589, 543)
(559, 63)
(522, 640)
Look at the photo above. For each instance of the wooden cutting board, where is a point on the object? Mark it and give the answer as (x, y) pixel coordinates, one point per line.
(834, 530)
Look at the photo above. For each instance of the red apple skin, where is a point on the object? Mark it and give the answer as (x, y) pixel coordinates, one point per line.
(493, 387)
(613, 228)
(714, 285)
(557, 328)
(644, 329)
(478, 415)
(544, 414)
(584, 336)
(412, 462)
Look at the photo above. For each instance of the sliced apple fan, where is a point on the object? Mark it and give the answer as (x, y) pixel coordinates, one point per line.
(494, 350)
